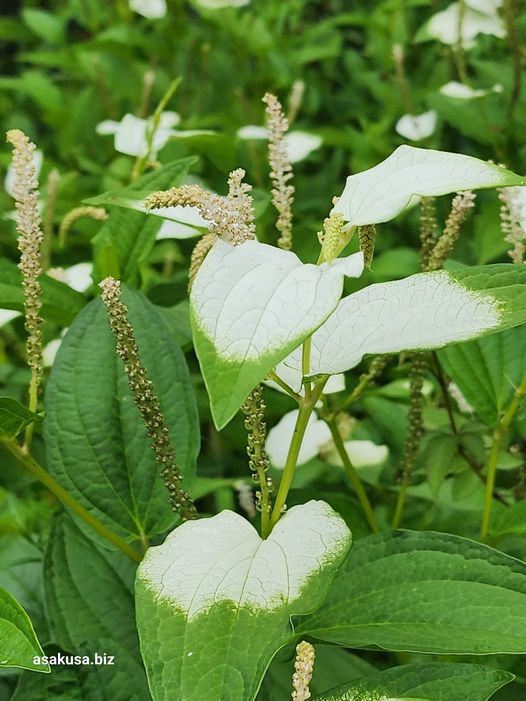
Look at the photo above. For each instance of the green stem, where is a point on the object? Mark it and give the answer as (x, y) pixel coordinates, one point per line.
(25, 459)
(400, 502)
(352, 474)
(32, 406)
(499, 435)
(287, 388)
(306, 409)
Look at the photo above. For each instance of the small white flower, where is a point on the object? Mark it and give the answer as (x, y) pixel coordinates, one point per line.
(460, 91)
(417, 127)
(7, 315)
(299, 143)
(78, 276)
(152, 9)
(38, 159)
(280, 436)
(366, 453)
(219, 4)
(480, 17)
(131, 133)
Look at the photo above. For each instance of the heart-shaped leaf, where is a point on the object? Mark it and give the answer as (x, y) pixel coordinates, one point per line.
(252, 304)
(214, 601)
(380, 193)
(423, 311)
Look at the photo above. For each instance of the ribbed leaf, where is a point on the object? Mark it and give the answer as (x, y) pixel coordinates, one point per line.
(96, 442)
(425, 592)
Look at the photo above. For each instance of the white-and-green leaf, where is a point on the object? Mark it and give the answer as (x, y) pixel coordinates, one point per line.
(423, 311)
(251, 305)
(380, 193)
(214, 601)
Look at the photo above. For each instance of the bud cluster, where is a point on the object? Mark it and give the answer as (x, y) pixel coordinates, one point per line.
(145, 398)
(280, 169)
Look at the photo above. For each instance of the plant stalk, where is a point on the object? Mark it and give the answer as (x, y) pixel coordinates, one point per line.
(27, 460)
(353, 475)
(499, 435)
(306, 409)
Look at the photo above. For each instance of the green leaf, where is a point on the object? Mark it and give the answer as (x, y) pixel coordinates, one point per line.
(423, 311)
(488, 370)
(436, 681)
(128, 236)
(438, 457)
(96, 442)
(60, 303)
(18, 642)
(425, 592)
(511, 519)
(45, 25)
(214, 601)
(90, 602)
(14, 417)
(251, 305)
(380, 193)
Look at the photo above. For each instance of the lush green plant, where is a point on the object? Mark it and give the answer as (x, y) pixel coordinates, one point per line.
(173, 572)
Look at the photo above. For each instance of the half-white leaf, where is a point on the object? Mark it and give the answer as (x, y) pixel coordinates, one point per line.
(214, 601)
(423, 311)
(380, 193)
(251, 305)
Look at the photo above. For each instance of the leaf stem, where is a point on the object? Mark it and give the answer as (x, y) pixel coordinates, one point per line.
(352, 474)
(284, 386)
(499, 435)
(306, 409)
(27, 460)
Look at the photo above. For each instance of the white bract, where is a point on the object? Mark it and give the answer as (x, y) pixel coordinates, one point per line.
(380, 193)
(152, 9)
(279, 438)
(479, 17)
(460, 91)
(299, 143)
(417, 127)
(223, 558)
